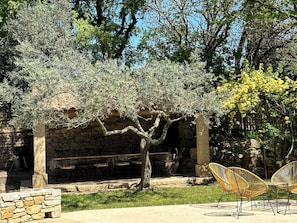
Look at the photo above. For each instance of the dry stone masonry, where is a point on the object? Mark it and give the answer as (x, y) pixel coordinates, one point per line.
(30, 205)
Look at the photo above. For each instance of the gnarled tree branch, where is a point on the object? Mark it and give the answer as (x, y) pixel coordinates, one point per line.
(120, 131)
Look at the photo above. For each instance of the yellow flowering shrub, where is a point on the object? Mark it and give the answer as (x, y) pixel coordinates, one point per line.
(248, 88)
(267, 99)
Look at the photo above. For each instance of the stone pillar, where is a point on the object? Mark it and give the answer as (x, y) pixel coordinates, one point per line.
(40, 178)
(3, 179)
(202, 143)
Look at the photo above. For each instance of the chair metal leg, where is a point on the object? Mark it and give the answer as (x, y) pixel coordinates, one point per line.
(288, 202)
(270, 205)
(276, 202)
(221, 197)
(266, 199)
(252, 205)
(239, 207)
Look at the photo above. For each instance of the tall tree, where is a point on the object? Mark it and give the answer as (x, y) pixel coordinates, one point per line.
(268, 30)
(159, 91)
(226, 32)
(8, 9)
(177, 27)
(104, 28)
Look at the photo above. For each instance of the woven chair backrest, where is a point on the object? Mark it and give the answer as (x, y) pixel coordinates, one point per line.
(238, 183)
(286, 174)
(249, 185)
(247, 175)
(219, 173)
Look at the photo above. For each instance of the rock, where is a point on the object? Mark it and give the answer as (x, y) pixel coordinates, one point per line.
(253, 143)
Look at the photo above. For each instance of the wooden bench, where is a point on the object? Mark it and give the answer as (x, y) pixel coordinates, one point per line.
(109, 162)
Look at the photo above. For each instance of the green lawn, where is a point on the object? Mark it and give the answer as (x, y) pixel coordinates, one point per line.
(158, 196)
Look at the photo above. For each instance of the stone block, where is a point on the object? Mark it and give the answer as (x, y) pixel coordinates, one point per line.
(19, 204)
(38, 216)
(36, 192)
(69, 189)
(10, 197)
(56, 192)
(19, 215)
(38, 199)
(6, 215)
(30, 198)
(26, 218)
(18, 210)
(87, 188)
(15, 220)
(47, 209)
(52, 202)
(9, 209)
(34, 209)
(28, 203)
(55, 214)
(25, 195)
(6, 204)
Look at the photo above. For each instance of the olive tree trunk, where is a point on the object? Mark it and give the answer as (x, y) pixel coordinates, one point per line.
(146, 167)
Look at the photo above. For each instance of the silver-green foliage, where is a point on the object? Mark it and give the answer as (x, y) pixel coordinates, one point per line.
(53, 76)
(185, 89)
(45, 55)
(161, 87)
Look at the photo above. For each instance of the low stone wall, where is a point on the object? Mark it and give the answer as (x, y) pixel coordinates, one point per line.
(29, 205)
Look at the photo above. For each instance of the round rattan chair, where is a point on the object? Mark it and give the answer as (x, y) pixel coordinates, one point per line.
(286, 179)
(246, 185)
(256, 186)
(219, 173)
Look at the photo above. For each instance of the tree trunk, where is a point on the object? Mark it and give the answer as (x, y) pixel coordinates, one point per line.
(146, 167)
(239, 51)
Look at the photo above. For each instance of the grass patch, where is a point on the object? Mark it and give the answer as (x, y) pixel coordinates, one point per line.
(156, 197)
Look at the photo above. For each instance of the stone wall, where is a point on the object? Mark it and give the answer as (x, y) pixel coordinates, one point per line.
(10, 138)
(82, 141)
(249, 154)
(29, 205)
(89, 140)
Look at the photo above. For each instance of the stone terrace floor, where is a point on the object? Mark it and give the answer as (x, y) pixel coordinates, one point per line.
(94, 186)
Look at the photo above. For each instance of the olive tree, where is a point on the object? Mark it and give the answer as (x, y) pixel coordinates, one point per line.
(158, 91)
(52, 76)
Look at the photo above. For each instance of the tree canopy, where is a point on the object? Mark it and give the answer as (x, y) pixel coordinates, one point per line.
(52, 48)
(8, 9)
(104, 28)
(53, 76)
(227, 32)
